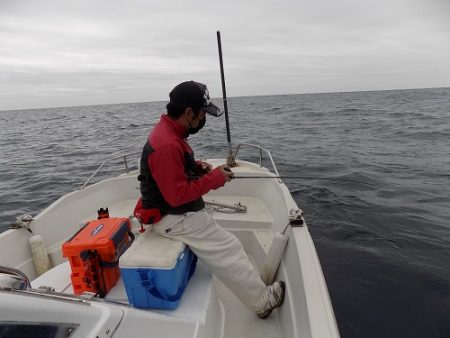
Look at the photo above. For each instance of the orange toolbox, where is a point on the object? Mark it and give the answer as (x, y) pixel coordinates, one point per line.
(94, 253)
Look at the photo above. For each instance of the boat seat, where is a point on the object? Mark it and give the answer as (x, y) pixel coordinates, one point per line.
(256, 217)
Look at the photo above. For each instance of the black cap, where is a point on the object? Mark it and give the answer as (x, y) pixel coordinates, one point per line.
(195, 95)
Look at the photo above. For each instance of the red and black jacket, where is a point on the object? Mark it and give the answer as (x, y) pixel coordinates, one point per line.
(169, 176)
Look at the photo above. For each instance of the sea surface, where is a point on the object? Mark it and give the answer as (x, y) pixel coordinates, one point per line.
(372, 174)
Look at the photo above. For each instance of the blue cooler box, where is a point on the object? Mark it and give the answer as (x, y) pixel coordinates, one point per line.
(156, 270)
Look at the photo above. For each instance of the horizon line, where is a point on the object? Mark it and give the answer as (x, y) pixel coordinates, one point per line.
(238, 96)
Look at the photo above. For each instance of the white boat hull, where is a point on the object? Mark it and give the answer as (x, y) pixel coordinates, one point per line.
(307, 311)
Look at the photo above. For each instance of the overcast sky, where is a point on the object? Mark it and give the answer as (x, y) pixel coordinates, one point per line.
(79, 52)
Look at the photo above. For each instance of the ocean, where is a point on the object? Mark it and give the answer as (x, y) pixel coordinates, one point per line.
(372, 176)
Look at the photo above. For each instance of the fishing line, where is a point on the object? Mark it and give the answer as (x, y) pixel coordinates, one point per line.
(334, 180)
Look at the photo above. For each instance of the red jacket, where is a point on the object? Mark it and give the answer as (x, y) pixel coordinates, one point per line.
(167, 170)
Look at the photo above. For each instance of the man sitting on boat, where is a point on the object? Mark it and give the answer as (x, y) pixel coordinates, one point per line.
(172, 186)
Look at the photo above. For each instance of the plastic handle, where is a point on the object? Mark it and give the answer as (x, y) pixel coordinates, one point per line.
(132, 237)
(116, 262)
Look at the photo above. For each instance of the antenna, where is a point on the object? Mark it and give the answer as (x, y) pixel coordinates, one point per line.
(231, 161)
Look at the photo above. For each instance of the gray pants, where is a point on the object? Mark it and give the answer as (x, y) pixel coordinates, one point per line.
(220, 251)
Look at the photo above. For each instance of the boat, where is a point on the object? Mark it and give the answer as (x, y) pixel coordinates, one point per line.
(38, 297)
(255, 210)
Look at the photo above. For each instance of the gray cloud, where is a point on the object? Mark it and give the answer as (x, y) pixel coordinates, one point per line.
(84, 52)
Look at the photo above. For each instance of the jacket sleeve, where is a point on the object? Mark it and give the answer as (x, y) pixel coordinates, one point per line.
(167, 168)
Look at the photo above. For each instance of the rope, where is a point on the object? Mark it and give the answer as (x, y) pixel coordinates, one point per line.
(22, 222)
(226, 208)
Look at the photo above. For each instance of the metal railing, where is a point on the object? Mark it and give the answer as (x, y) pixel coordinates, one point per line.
(124, 157)
(11, 278)
(261, 150)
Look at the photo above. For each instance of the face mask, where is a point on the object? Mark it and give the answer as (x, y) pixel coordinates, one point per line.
(195, 130)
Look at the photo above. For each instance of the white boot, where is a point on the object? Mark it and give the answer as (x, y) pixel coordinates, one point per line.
(276, 298)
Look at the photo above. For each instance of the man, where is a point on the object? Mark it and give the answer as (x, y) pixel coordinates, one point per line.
(172, 186)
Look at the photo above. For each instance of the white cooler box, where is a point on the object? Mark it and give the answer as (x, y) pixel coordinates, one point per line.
(156, 270)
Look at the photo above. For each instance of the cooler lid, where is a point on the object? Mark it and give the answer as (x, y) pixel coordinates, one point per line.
(151, 250)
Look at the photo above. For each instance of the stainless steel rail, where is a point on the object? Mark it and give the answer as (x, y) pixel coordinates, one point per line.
(13, 278)
(261, 150)
(124, 157)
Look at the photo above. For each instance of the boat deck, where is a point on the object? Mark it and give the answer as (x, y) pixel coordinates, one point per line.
(238, 320)
(207, 309)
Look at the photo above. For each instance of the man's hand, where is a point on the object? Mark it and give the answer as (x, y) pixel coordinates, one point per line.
(227, 173)
(202, 168)
(206, 167)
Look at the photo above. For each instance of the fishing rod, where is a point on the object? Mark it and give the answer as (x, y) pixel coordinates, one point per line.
(334, 180)
(231, 161)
